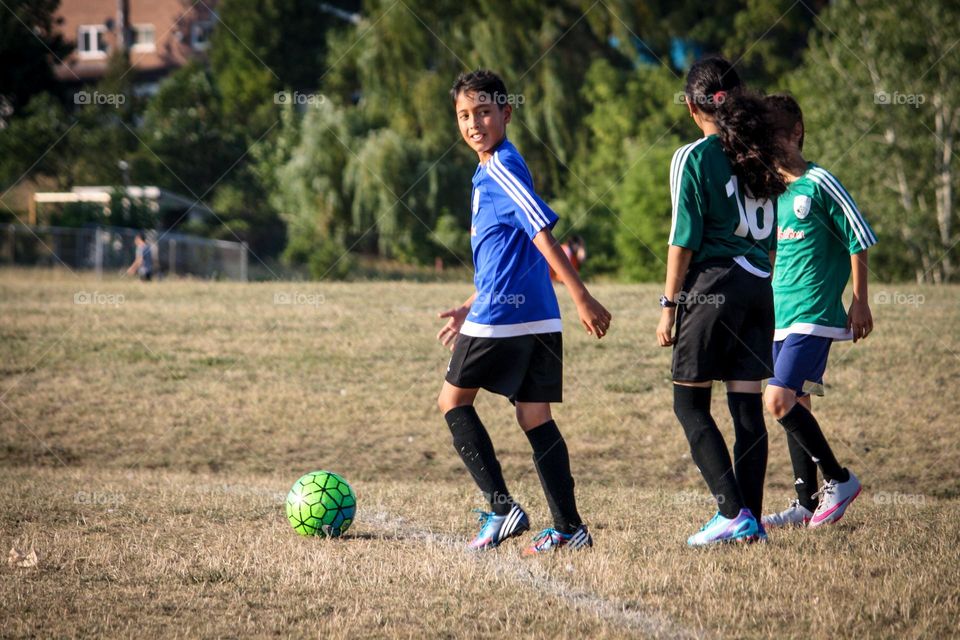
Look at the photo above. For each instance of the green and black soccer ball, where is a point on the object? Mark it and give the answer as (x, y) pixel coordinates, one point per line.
(321, 503)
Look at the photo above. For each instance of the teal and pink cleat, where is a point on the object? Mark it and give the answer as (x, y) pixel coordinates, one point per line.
(551, 540)
(743, 528)
(495, 529)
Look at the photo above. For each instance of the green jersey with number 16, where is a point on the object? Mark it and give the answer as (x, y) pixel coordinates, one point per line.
(713, 215)
(819, 229)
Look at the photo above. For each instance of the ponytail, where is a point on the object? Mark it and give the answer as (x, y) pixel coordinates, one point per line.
(744, 121)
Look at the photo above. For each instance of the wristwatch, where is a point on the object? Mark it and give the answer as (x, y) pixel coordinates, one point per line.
(667, 303)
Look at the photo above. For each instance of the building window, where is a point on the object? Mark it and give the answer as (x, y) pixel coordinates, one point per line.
(91, 41)
(144, 37)
(200, 33)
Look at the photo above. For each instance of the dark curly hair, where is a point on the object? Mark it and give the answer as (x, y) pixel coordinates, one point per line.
(786, 115)
(744, 120)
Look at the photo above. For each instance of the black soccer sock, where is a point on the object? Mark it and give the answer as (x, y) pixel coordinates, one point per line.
(552, 460)
(472, 442)
(804, 473)
(801, 424)
(709, 451)
(750, 449)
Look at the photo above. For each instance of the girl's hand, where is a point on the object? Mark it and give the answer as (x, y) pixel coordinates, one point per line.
(665, 328)
(448, 334)
(859, 319)
(593, 316)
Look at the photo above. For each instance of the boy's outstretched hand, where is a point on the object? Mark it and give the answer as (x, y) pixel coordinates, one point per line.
(593, 316)
(448, 334)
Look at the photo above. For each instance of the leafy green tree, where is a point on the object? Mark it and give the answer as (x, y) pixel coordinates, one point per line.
(29, 46)
(883, 112)
(305, 172)
(82, 145)
(188, 142)
(190, 146)
(769, 38)
(32, 116)
(104, 135)
(243, 214)
(619, 200)
(261, 47)
(38, 127)
(401, 168)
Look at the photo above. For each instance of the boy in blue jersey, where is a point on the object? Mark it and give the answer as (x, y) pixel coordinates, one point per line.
(506, 337)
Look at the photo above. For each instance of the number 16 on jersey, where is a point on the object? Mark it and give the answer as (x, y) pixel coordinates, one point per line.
(751, 225)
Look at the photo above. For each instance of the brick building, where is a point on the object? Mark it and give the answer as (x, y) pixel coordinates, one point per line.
(160, 35)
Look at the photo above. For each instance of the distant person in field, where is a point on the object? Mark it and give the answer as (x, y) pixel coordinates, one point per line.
(718, 294)
(576, 251)
(143, 262)
(506, 337)
(822, 238)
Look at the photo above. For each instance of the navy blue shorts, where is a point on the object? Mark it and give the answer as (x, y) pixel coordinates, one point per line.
(799, 362)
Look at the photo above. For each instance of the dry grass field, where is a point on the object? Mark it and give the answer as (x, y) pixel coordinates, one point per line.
(149, 433)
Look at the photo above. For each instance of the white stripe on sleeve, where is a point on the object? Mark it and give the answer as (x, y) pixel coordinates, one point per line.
(676, 177)
(849, 209)
(857, 216)
(517, 191)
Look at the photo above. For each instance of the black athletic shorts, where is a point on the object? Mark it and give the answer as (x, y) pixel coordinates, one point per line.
(725, 325)
(525, 368)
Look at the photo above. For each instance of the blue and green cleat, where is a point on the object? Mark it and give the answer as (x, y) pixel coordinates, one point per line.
(551, 539)
(495, 529)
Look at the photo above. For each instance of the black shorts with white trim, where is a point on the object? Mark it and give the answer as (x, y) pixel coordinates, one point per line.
(527, 368)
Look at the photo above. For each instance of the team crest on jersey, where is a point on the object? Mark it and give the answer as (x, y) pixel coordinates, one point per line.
(801, 206)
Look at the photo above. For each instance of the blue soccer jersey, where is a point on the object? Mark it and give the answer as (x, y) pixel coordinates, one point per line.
(514, 293)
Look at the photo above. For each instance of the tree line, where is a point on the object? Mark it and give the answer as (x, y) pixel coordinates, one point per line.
(321, 132)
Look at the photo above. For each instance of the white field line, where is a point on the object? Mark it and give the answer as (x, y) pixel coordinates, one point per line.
(530, 574)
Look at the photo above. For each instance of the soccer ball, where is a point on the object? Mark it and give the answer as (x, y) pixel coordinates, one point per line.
(321, 504)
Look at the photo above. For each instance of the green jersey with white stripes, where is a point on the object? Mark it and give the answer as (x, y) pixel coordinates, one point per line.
(713, 214)
(819, 228)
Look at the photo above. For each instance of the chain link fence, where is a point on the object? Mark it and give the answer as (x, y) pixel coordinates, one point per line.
(112, 249)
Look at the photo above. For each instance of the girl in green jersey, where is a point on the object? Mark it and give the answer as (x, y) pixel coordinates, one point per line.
(822, 239)
(718, 293)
